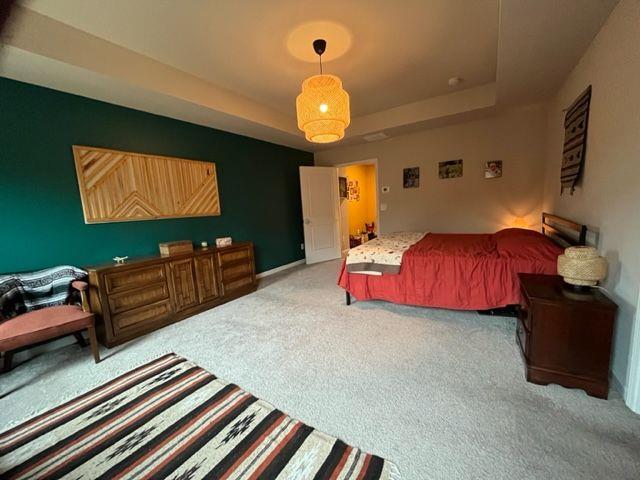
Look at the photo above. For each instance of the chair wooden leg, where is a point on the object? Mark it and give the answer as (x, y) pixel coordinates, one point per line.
(8, 361)
(94, 343)
(80, 338)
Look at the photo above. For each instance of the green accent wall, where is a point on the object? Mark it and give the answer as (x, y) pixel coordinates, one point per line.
(41, 217)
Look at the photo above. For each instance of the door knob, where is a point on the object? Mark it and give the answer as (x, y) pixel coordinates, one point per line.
(307, 221)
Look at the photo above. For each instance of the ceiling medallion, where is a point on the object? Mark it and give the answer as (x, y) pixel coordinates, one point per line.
(323, 106)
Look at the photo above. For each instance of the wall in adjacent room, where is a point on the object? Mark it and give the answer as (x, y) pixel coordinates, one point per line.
(470, 203)
(42, 221)
(363, 210)
(608, 196)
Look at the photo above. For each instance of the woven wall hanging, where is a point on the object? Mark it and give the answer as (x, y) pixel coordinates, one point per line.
(576, 122)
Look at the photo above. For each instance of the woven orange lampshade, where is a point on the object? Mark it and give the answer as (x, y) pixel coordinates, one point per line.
(323, 109)
(323, 106)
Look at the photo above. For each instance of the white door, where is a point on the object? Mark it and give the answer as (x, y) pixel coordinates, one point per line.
(320, 213)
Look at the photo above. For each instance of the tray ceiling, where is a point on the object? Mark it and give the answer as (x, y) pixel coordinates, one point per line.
(238, 65)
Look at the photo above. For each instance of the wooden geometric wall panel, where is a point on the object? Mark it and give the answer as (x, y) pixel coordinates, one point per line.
(120, 186)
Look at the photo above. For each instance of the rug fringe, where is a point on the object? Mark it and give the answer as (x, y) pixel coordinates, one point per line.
(394, 471)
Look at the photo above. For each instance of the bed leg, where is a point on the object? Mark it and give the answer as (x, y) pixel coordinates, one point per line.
(348, 298)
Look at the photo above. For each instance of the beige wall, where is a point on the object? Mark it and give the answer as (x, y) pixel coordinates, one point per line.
(608, 199)
(470, 203)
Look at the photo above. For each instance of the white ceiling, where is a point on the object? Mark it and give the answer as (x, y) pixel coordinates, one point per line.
(239, 61)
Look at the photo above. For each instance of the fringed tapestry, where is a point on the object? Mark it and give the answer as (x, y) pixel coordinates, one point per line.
(576, 121)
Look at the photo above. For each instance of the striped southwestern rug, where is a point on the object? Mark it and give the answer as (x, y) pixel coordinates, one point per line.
(172, 419)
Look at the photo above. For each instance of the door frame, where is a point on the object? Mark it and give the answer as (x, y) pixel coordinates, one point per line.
(369, 161)
(632, 390)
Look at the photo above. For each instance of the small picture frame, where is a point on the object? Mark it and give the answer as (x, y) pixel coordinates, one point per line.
(493, 169)
(354, 190)
(450, 169)
(411, 177)
(342, 186)
(223, 242)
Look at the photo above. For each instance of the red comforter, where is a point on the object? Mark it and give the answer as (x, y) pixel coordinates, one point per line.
(460, 271)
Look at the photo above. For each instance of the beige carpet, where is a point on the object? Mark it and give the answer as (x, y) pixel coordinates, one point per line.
(439, 393)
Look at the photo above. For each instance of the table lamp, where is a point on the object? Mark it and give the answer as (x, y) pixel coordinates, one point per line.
(582, 267)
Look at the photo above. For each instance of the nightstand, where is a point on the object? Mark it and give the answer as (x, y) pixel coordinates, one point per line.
(564, 335)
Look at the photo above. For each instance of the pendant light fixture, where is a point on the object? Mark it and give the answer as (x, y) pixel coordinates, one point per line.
(323, 106)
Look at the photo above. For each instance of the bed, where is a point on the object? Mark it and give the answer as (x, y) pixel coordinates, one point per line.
(468, 271)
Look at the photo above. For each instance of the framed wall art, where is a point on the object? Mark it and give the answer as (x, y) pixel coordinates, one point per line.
(411, 177)
(117, 186)
(342, 186)
(493, 169)
(450, 169)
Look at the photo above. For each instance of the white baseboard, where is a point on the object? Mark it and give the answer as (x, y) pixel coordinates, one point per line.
(281, 268)
(618, 385)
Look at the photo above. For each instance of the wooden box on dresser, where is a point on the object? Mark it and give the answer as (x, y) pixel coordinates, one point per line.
(565, 336)
(142, 295)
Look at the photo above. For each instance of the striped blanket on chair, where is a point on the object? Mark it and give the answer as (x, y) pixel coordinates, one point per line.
(24, 292)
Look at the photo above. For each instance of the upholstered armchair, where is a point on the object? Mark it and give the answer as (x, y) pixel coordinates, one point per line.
(44, 324)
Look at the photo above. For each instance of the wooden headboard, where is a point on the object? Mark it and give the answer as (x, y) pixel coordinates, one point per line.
(562, 231)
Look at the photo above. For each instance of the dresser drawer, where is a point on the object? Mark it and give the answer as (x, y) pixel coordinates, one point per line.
(238, 270)
(149, 316)
(134, 277)
(123, 301)
(232, 285)
(235, 255)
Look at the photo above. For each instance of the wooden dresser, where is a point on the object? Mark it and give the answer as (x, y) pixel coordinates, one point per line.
(565, 336)
(143, 295)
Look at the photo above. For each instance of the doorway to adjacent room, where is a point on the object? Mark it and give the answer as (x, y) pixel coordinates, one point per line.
(339, 208)
(359, 221)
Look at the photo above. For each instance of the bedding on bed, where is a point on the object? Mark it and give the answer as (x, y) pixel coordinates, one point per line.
(460, 271)
(383, 254)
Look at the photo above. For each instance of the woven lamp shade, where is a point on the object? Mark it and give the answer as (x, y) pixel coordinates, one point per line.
(582, 266)
(323, 109)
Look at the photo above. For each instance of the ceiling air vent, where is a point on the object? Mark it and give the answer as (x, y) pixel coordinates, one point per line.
(374, 137)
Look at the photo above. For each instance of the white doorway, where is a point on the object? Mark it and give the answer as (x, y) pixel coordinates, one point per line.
(332, 219)
(320, 213)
